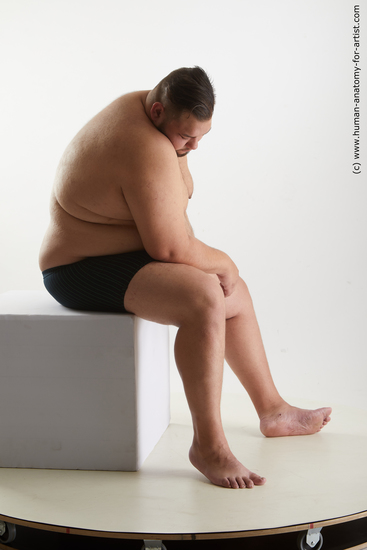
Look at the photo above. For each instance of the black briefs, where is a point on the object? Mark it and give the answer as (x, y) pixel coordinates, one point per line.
(96, 283)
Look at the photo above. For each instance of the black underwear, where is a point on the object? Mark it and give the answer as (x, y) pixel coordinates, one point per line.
(97, 283)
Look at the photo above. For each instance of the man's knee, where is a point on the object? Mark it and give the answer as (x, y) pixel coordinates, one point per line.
(207, 298)
(244, 290)
(240, 302)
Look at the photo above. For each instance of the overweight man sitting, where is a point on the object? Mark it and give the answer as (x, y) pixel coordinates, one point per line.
(120, 240)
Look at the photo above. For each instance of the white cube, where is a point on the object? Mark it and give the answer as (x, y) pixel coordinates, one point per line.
(79, 390)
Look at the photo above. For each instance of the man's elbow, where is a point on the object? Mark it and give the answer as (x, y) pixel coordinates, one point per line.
(169, 254)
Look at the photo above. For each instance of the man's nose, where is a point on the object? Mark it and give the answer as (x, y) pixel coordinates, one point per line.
(193, 143)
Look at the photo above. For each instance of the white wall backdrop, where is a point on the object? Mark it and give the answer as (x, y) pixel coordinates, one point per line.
(274, 181)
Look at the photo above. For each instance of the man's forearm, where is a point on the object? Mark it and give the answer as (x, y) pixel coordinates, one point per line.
(210, 260)
(200, 255)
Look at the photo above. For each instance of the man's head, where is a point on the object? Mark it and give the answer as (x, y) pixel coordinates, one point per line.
(187, 90)
(181, 106)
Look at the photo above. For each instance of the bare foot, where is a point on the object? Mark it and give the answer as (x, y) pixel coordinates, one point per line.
(288, 420)
(222, 468)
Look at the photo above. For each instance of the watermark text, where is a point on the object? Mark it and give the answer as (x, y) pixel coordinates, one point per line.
(357, 163)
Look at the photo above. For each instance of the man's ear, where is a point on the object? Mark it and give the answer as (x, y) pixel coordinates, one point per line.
(157, 112)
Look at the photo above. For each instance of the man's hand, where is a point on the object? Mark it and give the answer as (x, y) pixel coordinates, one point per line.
(229, 277)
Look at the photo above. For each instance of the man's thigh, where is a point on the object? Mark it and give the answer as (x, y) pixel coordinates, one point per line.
(166, 293)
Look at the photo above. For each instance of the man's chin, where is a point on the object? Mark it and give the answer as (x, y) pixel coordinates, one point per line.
(182, 154)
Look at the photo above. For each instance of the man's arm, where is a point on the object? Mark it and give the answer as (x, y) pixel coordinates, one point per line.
(187, 178)
(189, 184)
(158, 200)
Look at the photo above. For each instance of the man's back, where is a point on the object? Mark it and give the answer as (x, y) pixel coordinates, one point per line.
(89, 213)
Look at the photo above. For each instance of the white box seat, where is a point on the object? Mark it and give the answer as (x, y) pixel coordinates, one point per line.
(79, 390)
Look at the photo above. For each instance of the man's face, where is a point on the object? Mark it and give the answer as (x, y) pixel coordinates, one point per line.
(185, 132)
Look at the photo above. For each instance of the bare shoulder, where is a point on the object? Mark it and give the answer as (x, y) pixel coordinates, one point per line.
(104, 134)
(153, 154)
(134, 142)
(148, 155)
(97, 162)
(155, 193)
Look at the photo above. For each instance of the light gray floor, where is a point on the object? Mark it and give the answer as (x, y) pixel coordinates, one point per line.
(307, 482)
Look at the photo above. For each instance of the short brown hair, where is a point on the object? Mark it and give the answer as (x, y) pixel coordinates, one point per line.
(188, 89)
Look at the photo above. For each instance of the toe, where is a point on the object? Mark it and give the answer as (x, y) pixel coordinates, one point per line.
(258, 480)
(233, 482)
(241, 482)
(249, 483)
(226, 483)
(327, 412)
